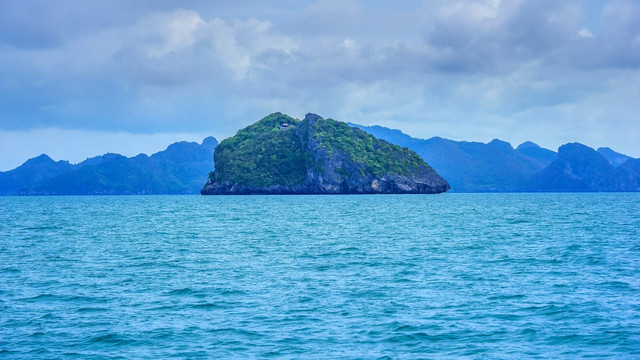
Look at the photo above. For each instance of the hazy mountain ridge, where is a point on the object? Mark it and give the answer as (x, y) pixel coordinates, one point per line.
(180, 169)
(467, 166)
(581, 168)
(615, 158)
(497, 167)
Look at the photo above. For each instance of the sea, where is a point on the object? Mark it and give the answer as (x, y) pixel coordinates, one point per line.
(449, 276)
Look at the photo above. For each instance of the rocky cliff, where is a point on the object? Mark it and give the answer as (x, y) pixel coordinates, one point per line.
(581, 168)
(282, 155)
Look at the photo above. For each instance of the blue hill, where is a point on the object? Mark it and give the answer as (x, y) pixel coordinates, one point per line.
(615, 158)
(498, 167)
(180, 169)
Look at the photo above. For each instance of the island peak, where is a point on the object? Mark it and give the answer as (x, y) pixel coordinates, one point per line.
(282, 155)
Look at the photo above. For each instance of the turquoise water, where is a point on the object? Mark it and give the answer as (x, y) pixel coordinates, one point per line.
(383, 276)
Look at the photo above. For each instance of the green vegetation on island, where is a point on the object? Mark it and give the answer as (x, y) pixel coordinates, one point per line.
(378, 156)
(280, 154)
(262, 154)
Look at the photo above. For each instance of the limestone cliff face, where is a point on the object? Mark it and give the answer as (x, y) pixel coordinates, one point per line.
(581, 168)
(281, 155)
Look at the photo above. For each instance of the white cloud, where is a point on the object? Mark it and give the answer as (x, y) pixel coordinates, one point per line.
(585, 33)
(177, 29)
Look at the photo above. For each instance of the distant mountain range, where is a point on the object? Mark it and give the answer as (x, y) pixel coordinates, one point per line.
(498, 167)
(180, 169)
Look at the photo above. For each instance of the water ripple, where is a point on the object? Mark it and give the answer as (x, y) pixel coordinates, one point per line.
(488, 276)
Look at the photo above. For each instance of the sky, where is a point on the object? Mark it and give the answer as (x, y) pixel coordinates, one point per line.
(82, 78)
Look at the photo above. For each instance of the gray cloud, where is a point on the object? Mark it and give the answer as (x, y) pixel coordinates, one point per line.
(463, 69)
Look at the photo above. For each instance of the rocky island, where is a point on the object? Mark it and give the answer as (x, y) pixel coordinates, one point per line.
(283, 155)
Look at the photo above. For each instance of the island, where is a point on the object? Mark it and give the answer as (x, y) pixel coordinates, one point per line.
(283, 155)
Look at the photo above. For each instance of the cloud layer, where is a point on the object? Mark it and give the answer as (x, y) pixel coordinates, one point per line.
(542, 70)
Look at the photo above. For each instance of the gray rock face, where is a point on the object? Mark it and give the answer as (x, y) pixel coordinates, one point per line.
(340, 174)
(319, 185)
(329, 170)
